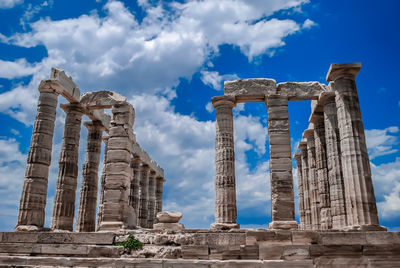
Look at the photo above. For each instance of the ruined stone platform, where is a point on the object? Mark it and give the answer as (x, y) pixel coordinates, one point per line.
(203, 248)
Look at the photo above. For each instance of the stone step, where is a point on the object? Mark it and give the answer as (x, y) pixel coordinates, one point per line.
(33, 249)
(57, 238)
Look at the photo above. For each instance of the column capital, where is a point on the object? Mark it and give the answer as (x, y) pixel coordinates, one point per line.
(308, 134)
(302, 145)
(46, 86)
(94, 125)
(340, 70)
(297, 156)
(160, 178)
(105, 138)
(145, 167)
(223, 101)
(72, 108)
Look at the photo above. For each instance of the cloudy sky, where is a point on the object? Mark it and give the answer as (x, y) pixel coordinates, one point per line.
(170, 57)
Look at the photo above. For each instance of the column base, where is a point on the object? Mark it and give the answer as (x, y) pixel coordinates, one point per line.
(283, 225)
(365, 228)
(224, 226)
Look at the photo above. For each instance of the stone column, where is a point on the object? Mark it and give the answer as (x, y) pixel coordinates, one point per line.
(152, 199)
(361, 208)
(134, 199)
(64, 199)
(300, 190)
(336, 184)
(306, 185)
(159, 194)
(33, 198)
(117, 214)
(102, 183)
(282, 196)
(88, 196)
(144, 195)
(312, 180)
(321, 167)
(225, 210)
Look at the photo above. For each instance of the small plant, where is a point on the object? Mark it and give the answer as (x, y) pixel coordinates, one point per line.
(131, 243)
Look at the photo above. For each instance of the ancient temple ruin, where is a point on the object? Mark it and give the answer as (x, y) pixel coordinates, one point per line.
(338, 224)
(334, 175)
(131, 182)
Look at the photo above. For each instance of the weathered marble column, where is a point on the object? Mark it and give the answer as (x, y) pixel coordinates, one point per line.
(361, 209)
(306, 185)
(117, 214)
(64, 199)
(312, 180)
(321, 170)
(282, 196)
(225, 210)
(134, 199)
(159, 194)
(336, 184)
(33, 198)
(152, 199)
(300, 190)
(102, 183)
(88, 195)
(144, 195)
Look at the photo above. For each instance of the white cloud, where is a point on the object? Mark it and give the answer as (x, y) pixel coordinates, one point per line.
(307, 24)
(380, 141)
(15, 69)
(209, 107)
(215, 80)
(4, 4)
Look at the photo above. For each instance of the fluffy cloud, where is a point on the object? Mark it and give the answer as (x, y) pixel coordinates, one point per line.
(4, 4)
(215, 80)
(380, 141)
(15, 69)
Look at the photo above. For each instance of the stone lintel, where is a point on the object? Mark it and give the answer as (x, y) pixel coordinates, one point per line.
(339, 70)
(101, 99)
(223, 100)
(145, 158)
(250, 90)
(94, 125)
(101, 116)
(62, 84)
(300, 90)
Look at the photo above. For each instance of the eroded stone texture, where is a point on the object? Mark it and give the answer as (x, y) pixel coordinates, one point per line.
(169, 216)
(322, 173)
(102, 99)
(144, 195)
(225, 210)
(102, 183)
(64, 199)
(300, 186)
(336, 184)
(159, 194)
(34, 192)
(300, 90)
(312, 180)
(134, 187)
(250, 89)
(152, 199)
(282, 196)
(361, 206)
(306, 185)
(117, 213)
(88, 195)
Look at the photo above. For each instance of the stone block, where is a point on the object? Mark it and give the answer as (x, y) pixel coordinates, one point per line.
(123, 108)
(224, 252)
(169, 216)
(382, 238)
(278, 113)
(119, 143)
(37, 170)
(270, 252)
(168, 226)
(272, 237)
(114, 181)
(304, 237)
(123, 118)
(105, 251)
(279, 139)
(195, 252)
(249, 252)
(336, 250)
(118, 156)
(342, 238)
(120, 168)
(63, 249)
(381, 250)
(76, 238)
(296, 252)
(13, 237)
(20, 248)
(301, 90)
(250, 89)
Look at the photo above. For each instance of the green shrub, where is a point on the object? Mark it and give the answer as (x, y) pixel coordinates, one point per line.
(131, 243)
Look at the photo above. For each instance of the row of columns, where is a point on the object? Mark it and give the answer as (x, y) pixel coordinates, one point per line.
(335, 185)
(131, 193)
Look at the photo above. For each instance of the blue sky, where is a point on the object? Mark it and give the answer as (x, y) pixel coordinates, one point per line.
(170, 57)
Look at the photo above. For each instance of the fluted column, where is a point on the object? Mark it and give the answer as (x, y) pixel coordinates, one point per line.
(88, 195)
(225, 210)
(361, 208)
(312, 180)
(117, 214)
(159, 194)
(33, 198)
(336, 184)
(306, 185)
(102, 183)
(152, 199)
(144, 195)
(64, 199)
(321, 167)
(282, 195)
(134, 199)
(300, 190)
